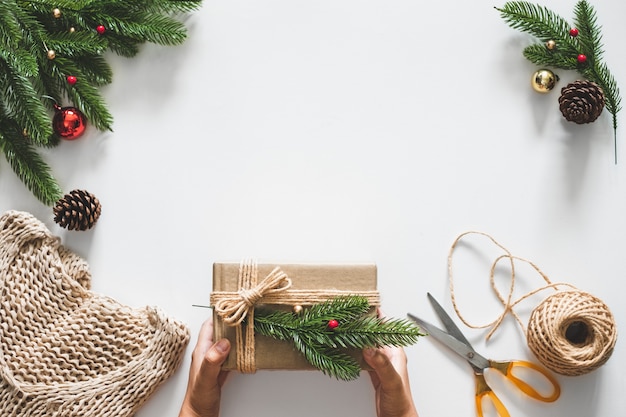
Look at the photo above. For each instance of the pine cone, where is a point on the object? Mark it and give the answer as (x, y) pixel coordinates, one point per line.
(78, 210)
(581, 101)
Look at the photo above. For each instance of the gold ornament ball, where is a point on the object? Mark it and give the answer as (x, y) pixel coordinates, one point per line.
(72, 30)
(544, 80)
(56, 13)
(51, 54)
(297, 309)
(551, 45)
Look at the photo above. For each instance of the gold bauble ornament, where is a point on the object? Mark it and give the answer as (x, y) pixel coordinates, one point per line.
(72, 30)
(551, 45)
(56, 13)
(544, 80)
(51, 54)
(297, 309)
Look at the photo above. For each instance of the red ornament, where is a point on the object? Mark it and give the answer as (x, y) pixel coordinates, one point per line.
(101, 29)
(68, 122)
(582, 58)
(71, 80)
(573, 32)
(333, 324)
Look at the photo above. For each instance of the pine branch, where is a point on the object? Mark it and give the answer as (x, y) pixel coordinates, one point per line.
(323, 345)
(32, 81)
(546, 25)
(368, 332)
(330, 361)
(27, 163)
(536, 20)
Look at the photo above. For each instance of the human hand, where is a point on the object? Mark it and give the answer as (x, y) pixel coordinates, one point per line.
(390, 379)
(206, 378)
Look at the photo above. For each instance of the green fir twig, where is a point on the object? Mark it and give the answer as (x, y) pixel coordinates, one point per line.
(327, 348)
(546, 25)
(31, 82)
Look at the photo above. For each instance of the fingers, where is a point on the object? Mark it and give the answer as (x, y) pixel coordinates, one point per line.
(205, 338)
(386, 373)
(213, 360)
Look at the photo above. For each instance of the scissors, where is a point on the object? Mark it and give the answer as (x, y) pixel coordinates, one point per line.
(455, 340)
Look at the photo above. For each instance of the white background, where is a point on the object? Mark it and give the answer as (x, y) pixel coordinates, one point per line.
(352, 131)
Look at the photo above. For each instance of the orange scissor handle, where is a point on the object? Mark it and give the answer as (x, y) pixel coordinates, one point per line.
(484, 391)
(506, 368)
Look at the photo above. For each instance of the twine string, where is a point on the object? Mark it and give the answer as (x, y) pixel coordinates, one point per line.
(234, 307)
(507, 300)
(549, 323)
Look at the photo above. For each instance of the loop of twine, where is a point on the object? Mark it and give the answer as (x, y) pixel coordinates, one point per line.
(234, 307)
(549, 322)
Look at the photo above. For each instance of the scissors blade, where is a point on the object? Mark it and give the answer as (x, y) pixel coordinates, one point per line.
(462, 349)
(447, 321)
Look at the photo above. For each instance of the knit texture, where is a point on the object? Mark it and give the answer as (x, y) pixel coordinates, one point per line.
(65, 350)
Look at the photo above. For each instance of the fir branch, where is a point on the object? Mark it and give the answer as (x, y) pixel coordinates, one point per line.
(546, 25)
(368, 332)
(21, 103)
(330, 361)
(29, 77)
(27, 163)
(323, 346)
(536, 20)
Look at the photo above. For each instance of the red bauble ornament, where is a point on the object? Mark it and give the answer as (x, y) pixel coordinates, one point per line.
(573, 32)
(71, 80)
(68, 122)
(333, 324)
(101, 29)
(582, 58)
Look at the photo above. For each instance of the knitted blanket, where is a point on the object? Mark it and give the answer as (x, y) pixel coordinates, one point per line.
(64, 350)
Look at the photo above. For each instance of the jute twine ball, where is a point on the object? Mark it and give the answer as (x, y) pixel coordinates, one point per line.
(571, 333)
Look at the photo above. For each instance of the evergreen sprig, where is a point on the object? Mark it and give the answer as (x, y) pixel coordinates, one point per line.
(328, 348)
(546, 25)
(31, 83)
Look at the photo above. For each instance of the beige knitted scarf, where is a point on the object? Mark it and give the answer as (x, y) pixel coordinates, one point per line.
(64, 350)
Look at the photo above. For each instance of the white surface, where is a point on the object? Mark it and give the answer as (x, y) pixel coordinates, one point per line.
(351, 131)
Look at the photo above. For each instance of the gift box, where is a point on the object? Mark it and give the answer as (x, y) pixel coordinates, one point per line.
(310, 284)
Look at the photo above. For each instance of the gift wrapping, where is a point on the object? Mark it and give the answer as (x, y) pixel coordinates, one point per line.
(280, 354)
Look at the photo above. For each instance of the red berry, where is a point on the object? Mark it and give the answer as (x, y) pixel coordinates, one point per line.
(582, 59)
(71, 80)
(333, 324)
(100, 29)
(573, 32)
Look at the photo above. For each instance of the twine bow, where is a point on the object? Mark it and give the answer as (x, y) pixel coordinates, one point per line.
(234, 308)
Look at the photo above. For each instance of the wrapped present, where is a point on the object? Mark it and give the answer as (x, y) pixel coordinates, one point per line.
(241, 288)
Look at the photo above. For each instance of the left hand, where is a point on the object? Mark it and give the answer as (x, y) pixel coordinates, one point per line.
(206, 377)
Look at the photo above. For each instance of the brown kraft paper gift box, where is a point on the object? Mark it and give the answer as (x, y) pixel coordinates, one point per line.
(278, 354)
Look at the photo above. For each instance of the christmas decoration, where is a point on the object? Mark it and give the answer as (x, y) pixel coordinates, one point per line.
(581, 101)
(44, 42)
(544, 80)
(71, 80)
(579, 46)
(551, 44)
(333, 324)
(100, 29)
(316, 333)
(254, 307)
(78, 210)
(68, 122)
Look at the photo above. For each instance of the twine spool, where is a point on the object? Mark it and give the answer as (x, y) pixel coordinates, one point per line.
(571, 333)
